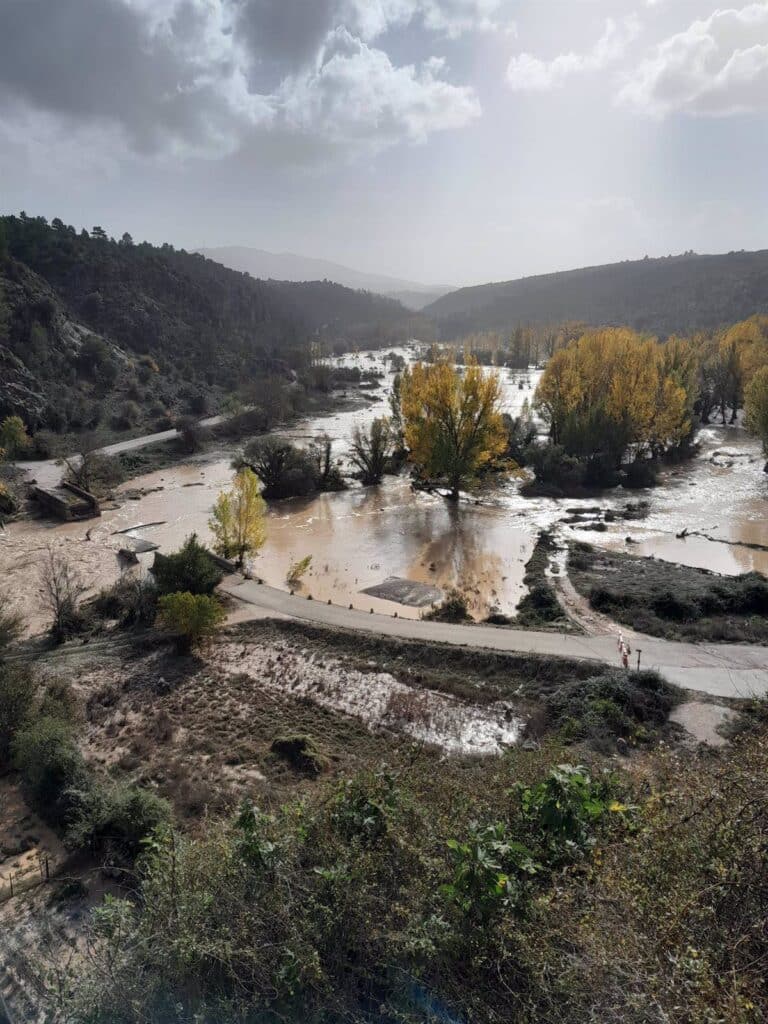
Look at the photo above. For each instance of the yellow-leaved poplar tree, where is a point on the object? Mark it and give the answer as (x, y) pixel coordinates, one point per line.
(238, 522)
(757, 406)
(452, 422)
(612, 390)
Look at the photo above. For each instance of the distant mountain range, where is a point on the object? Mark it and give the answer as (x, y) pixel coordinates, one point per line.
(287, 266)
(677, 294)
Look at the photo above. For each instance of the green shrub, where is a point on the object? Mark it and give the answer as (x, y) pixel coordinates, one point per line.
(453, 608)
(612, 704)
(539, 605)
(17, 701)
(190, 569)
(490, 871)
(191, 617)
(116, 818)
(51, 767)
(562, 812)
(679, 609)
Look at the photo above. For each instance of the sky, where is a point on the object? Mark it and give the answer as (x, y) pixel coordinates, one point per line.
(451, 142)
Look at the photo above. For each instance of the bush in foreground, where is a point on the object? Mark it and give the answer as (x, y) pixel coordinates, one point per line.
(192, 618)
(453, 608)
(614, 704)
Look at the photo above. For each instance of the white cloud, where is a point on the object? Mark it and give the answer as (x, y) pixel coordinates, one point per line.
(452, 18)
(527, 73)
(717, 66)
(355, 93)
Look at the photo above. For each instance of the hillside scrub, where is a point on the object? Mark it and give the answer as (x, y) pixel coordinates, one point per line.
(38, 738)
(672, 601)
(567, 894)
(98, 333)
(349, 904)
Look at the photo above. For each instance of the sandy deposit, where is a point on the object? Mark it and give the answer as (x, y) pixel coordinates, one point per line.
(376, 698)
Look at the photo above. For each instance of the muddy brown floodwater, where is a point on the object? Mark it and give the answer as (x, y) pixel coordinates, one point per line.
(360, 537)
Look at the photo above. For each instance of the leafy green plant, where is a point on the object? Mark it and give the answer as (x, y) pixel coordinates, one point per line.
(491, 871)
(563, 810)
(51, 766)
(117, 817)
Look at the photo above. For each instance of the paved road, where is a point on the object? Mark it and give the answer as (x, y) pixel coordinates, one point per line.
(48, 472)
(723, 670)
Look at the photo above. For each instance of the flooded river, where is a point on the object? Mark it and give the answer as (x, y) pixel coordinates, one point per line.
(360, 537)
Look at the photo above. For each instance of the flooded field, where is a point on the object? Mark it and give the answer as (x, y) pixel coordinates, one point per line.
(363, 536)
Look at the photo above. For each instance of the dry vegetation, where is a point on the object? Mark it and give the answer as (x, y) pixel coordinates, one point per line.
(677, 602)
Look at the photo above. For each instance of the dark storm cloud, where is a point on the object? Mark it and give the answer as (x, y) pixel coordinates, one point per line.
(88, 60)
(288, 33)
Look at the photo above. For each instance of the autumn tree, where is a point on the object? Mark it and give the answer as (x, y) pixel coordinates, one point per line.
(452, 422)
(238, 522)
(757, 406)
(371, 450)
(613, 391)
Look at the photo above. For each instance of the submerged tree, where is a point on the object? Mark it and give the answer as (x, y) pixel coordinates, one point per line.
(285, 470)
(612, 391)
(329, 476)
(372, 449)
(757, 407)
(238, 522)
(452, 422)
(61, 589)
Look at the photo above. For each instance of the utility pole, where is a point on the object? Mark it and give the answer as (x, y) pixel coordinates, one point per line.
(639, 652)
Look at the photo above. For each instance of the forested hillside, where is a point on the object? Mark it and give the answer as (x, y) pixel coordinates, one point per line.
(84, 318)
(678, 294)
